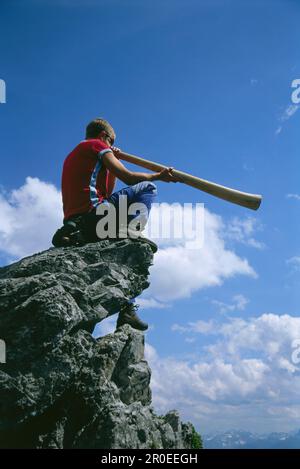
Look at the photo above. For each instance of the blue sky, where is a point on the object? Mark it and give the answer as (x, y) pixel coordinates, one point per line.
(204, 86)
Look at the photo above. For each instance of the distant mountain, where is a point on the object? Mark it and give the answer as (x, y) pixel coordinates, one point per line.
(235, 439)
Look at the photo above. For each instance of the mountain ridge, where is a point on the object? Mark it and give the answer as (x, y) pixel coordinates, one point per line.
(239, 439)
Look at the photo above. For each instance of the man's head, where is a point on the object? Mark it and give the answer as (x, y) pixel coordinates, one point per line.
(100, 128)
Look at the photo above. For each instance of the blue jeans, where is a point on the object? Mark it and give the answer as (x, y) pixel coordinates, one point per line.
(144, 192)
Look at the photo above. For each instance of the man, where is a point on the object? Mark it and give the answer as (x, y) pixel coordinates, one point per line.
(88, 180)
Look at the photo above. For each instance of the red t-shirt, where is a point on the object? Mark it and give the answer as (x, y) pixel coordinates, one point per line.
(85, 179)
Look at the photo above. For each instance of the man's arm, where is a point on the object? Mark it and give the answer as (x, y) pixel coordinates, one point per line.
(111, 183)
(131, 177)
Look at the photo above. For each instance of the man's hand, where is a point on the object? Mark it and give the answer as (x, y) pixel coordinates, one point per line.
(116, 152)
(165, 175)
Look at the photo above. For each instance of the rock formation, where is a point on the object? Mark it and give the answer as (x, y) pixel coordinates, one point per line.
(61, 388)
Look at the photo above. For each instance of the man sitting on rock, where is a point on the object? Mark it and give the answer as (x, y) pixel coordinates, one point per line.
(88, 180)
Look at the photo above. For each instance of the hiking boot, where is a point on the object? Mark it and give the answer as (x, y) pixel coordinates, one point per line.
(128, 315)
(70, 234)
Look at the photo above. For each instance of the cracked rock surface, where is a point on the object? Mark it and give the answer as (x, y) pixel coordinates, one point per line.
(60, 388)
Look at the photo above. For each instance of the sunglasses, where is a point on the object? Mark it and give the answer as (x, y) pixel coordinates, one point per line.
(110, 139)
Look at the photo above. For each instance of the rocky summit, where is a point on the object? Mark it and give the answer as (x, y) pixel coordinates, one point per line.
(61, 388)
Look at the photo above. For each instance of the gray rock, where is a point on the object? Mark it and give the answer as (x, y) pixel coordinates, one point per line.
(61, 388)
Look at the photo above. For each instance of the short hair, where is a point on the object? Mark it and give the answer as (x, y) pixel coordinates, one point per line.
(96, 126)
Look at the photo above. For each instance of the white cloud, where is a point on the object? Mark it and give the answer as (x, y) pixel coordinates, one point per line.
(293, 196)
(243, 230)
(29, 217)
(248, 168)
(240, 381)
(202, 327)
(190, 340)
(289, 111)
(294, 262)
(270, 334)
(152, 303)
(179, 271)
(239, 303)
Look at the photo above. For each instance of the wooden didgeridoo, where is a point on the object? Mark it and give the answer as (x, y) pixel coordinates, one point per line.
(234, 196)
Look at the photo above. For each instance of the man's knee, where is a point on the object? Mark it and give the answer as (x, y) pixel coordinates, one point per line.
(145, 186)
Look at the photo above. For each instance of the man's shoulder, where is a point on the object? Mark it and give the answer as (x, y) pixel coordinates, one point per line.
(94, 145)
(87, 149)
